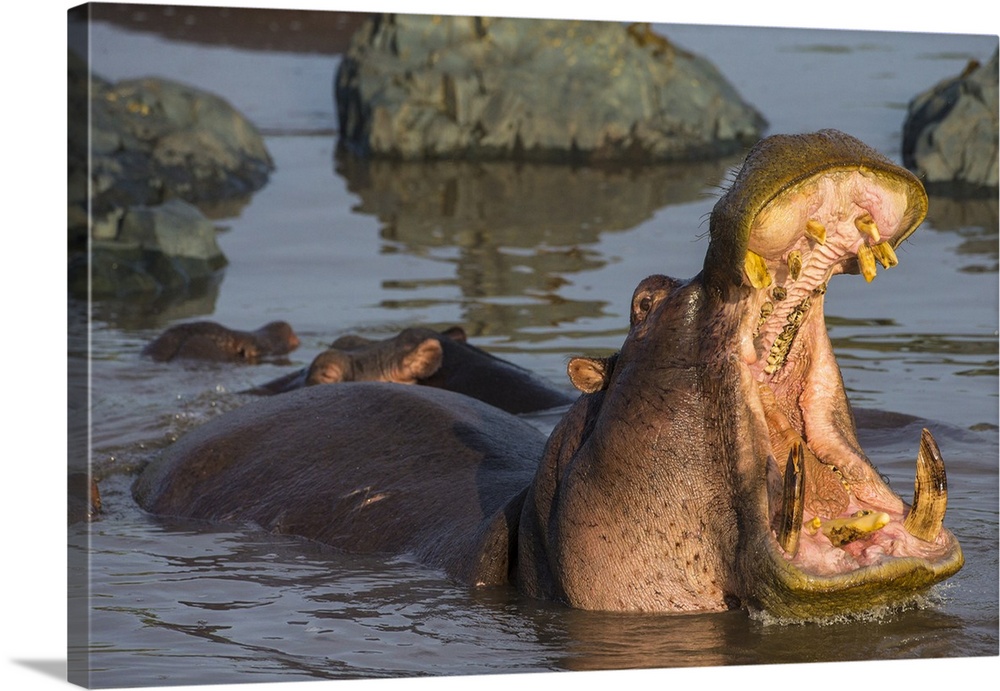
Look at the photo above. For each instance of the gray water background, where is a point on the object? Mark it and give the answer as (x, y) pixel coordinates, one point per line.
(537, 264)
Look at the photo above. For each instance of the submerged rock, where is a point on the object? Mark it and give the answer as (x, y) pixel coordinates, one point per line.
(151, 248)
(951, 130)
(142, 154)
(425, 87)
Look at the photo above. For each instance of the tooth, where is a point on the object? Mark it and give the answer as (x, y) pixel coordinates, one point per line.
(866, 224)
(756, 269)
(930, 492)
(866, 260)
(792, 501)
(794, 264)
(885, 255)
(817, 231)
(840, 531)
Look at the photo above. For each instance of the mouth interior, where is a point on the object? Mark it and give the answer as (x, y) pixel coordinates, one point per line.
(830, 511)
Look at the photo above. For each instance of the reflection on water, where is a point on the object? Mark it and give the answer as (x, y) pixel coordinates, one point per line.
(515, 230)
(976, 221)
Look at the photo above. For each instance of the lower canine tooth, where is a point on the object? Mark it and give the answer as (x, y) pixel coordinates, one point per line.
(930, 492)
(866, 260)
(840, 531)
(792, 501)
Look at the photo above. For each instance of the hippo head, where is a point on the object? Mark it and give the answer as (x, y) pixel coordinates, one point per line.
(411, 356)
(722, 448)
(276, 338)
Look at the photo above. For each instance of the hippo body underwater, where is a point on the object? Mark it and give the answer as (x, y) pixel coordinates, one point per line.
(416, 355)
(714, 466)
(213, 342)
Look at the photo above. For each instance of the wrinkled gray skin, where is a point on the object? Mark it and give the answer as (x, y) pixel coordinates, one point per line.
(664, 490)
(425, 357)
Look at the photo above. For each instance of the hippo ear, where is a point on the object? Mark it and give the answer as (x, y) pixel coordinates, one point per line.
(589, 375)
(421, 362)
(455, 333)
(329, 367)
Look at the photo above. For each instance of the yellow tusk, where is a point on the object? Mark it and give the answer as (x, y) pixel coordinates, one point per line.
(792, 500)
(817, 231)
(756, 269)
(930, 492)
(885, 255)
(866, 225)
(866, 260)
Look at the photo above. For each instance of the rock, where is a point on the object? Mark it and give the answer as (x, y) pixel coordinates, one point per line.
(148, 151)
(951, 131)
(425, 87)
(152, 248)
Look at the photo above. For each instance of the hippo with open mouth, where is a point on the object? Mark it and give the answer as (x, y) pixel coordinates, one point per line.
(712, 464)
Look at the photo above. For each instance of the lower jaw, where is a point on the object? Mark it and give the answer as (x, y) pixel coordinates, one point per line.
(791, 595)
(883, 566)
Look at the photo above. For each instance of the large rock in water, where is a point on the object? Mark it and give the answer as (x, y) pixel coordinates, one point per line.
(951, 131)
(152, 154)
(425, 87)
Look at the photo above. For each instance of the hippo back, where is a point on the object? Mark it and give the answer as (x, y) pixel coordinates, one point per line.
(366, 467)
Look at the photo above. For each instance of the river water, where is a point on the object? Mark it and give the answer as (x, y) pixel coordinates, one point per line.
(537, 264)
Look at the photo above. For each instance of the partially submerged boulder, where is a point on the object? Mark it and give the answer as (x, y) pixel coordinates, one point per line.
(147, 157)
(951, 130)
(148, 249)
(425, 87)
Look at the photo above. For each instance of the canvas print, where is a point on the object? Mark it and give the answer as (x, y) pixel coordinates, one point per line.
(410, 345)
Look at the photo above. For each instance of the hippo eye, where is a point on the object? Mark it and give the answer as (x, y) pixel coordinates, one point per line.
(640, 308)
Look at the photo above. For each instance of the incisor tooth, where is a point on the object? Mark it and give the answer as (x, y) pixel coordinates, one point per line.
(817, 231)
(792, 500)
(866, 225)
(756, 269)
(930, 492)
(885, 255)
(866, 260)
(794, 264)
(840, 531)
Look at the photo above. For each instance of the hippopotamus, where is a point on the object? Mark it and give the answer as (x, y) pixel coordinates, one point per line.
(718, 466)
(208, 340)
(426, 357)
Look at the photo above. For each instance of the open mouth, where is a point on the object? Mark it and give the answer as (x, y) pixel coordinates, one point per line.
(831, 514)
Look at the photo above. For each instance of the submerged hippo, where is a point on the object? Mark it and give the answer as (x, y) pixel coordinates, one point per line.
(717, 467)
(208, 340)
(422, 356)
